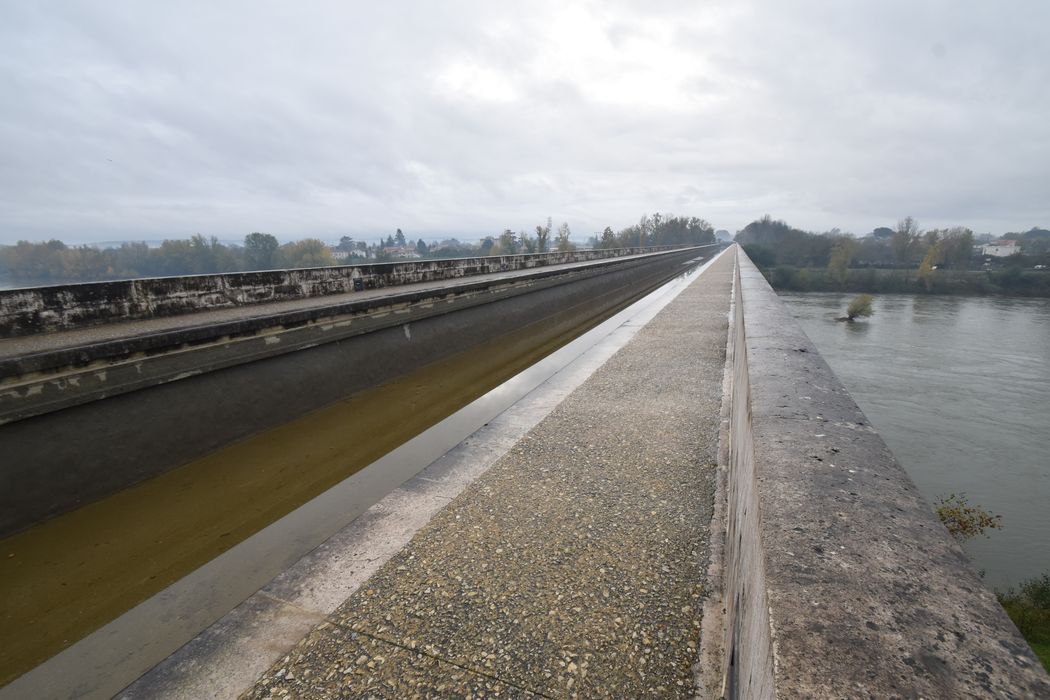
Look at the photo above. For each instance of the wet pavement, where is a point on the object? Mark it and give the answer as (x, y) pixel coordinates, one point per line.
(575, 565)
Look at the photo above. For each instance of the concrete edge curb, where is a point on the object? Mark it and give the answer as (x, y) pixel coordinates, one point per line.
(710, 670)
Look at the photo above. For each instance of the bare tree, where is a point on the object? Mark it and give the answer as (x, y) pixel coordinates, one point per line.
(564, 244)
(905, 239)
(543, 234)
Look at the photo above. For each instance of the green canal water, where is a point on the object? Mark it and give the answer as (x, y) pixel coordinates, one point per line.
(959, 388)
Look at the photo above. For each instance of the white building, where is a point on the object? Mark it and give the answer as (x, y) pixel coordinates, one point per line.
(402, 251)
(1001, 249)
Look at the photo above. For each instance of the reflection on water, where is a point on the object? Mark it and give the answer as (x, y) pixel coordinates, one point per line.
(959, 387)
(69, 575)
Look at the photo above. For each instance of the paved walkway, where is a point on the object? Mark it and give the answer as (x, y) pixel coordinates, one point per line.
(574, 566)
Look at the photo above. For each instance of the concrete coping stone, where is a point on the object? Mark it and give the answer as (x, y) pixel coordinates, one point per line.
(868, 595)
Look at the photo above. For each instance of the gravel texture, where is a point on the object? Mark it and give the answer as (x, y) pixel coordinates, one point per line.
(573, 567)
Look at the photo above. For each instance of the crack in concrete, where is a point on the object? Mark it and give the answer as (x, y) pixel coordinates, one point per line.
(437, 657)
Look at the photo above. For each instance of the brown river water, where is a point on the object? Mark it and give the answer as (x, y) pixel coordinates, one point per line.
(959, 388)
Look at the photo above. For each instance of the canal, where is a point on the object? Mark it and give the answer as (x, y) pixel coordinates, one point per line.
(959, 388)
(68, 576)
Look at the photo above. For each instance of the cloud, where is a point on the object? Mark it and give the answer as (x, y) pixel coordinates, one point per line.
(133, 120)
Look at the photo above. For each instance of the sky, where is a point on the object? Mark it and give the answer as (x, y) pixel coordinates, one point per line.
(129, 120)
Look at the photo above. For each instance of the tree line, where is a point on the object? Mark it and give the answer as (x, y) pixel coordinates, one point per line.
(658, 229)
(53, 262)
(776, 243)
(901, 259)
(771, 242)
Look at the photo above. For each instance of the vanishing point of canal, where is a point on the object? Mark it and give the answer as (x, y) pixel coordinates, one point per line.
(959, 387)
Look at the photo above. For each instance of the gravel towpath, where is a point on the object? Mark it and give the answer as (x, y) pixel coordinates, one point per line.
(574, 567)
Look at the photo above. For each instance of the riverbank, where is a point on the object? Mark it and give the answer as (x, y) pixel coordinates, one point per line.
(1013, 282)
(1029, 608)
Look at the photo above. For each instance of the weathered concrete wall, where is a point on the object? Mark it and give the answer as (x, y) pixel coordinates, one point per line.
(43, 378)
(748, 654)
(60, 460)
(840, 580)
(68, 306)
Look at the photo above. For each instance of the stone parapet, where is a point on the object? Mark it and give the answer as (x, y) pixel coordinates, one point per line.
(840, 580)
(71, 306)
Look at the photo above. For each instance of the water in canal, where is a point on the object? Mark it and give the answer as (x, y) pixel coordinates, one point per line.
(66, 577)
(959, 388)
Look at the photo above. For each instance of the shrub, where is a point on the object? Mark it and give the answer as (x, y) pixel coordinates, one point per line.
(860, 306)
(1029, 608)
(963, 519)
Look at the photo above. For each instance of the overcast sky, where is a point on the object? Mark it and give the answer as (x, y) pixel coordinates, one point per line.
(146, 120)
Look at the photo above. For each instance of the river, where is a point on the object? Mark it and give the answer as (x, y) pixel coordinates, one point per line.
(959, 388)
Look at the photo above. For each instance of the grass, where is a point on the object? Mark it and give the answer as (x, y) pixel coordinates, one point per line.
(1029, 608)
(1043, 652)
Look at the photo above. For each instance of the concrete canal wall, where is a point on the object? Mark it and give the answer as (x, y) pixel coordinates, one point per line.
(136, 413)
(69, 306)
(839, 580)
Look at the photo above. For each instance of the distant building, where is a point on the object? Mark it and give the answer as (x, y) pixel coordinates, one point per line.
(402, 251)
(347, 257)
(1002, 248)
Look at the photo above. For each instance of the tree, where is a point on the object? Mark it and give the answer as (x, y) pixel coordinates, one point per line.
(791, 246)
(308, 252)
(564, 244)
(760, 255)
(644, 226)
(399, 238)
(928, 264)
(608, 239)
(259, 249)
(421, 248)
(860, 306)
(957, 247)
(199, 255)
(347, 243)
(841, 256)
(389, 243)
(905, 239)
(506, 245)
(543, 234)
(528, 243)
